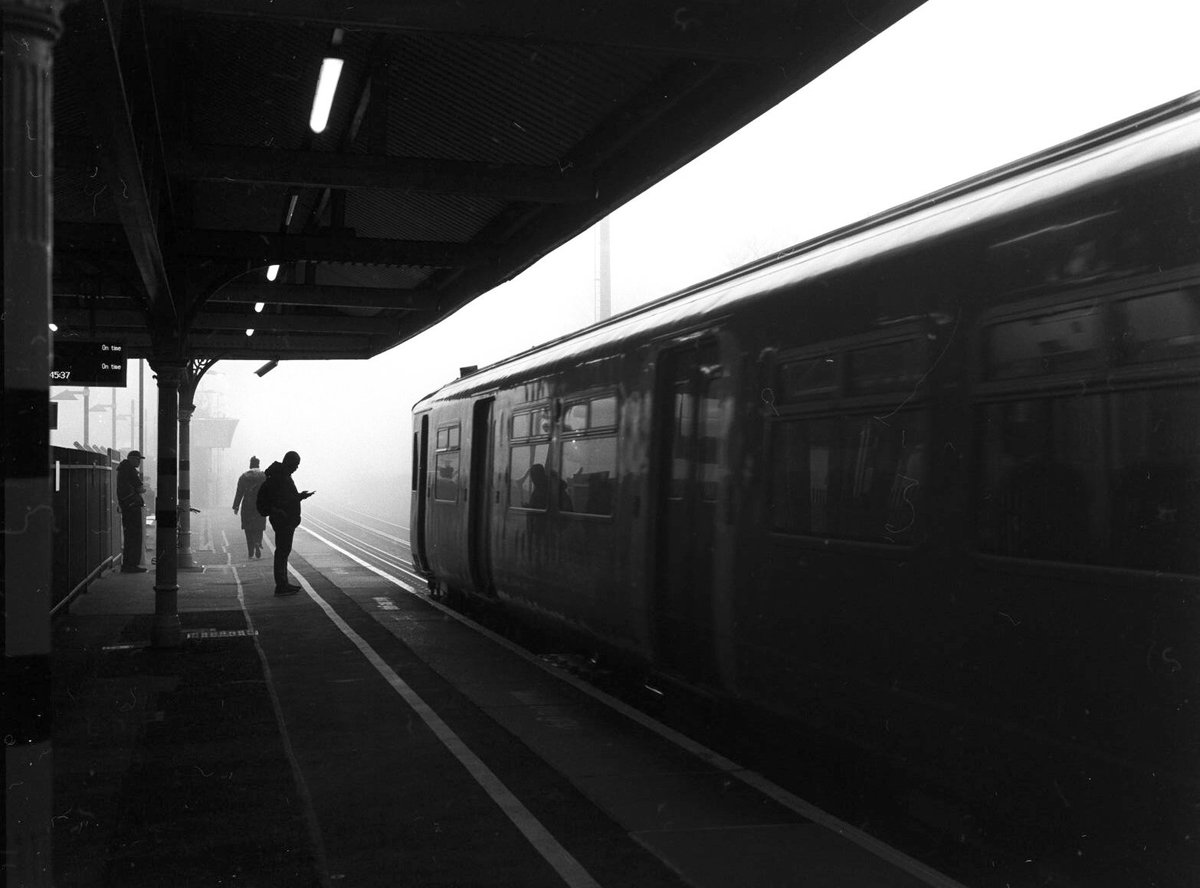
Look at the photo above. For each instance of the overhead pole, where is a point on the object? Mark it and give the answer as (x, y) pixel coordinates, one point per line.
(30, 30)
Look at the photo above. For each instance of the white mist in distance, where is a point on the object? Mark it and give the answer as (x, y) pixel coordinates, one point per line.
(952, 90)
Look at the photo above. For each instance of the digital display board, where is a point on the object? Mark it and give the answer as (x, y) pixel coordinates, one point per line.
(100, 364)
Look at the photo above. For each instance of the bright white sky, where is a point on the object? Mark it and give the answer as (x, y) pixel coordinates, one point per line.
(957, 88)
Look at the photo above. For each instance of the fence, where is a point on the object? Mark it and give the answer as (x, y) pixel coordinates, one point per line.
(87, 525)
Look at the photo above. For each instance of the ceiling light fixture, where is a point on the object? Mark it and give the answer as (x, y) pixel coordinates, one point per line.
(54, 328)
(272, 272)
(291, 209)
(249, 331)
(327, 81)
(259, 306)
(266, 368)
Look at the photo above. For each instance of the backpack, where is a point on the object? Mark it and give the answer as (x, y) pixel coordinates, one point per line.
(262, 501)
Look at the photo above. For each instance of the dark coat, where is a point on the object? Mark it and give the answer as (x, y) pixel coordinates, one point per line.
(129, 487)
(247, 496)
(283, 496)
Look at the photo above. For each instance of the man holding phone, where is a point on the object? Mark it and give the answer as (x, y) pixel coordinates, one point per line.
(279, 501)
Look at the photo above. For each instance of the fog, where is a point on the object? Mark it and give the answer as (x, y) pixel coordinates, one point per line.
(953, 90)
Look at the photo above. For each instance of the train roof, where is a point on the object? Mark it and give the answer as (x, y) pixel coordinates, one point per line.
(1153, 137)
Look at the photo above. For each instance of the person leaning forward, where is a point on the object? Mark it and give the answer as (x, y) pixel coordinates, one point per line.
(129, 500)
(282, 499)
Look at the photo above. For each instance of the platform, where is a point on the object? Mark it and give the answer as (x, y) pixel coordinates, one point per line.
(359, 734)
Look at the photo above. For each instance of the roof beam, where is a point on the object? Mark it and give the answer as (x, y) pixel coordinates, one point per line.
(79, 319)
(108, 111)
(327, 295)
(714, 29)
(273, 248)
(317, 169)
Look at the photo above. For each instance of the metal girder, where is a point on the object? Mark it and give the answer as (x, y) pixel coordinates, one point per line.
(265, 248)
(221, 344)
(317, 169)
(715, 29)
(328, 295)
(78, 318)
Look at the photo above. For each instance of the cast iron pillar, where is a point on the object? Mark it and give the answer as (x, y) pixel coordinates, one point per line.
(31, 28)
(166, 632)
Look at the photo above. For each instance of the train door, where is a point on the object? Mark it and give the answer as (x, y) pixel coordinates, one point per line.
(420, 490)
(687, 509)
(479, 496)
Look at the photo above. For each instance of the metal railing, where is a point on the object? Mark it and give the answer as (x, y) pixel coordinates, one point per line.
(87, 524)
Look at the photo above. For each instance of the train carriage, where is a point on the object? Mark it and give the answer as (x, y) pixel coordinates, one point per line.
(930, 483)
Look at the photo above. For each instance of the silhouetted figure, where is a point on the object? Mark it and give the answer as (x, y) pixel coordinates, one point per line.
(279, 500)
(539, 482)
(253, 523)
(129, 500)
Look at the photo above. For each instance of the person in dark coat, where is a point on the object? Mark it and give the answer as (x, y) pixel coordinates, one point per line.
(253, 523)
(283, 510)
(129, 500)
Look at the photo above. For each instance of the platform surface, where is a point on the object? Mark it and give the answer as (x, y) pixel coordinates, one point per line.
(359, 734)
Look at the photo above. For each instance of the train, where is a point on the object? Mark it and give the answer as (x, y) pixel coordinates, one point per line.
(928, 484)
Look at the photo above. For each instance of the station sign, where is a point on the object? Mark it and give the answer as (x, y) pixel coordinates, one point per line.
(98, 364)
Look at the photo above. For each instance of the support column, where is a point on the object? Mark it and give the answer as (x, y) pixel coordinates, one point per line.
(31, 28)
(167, 632)
(186, 409)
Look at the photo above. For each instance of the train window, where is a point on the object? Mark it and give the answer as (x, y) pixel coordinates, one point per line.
(1043, 491)
(597, 413)
(604, 413)
(810, 378)
(531, 423)
(854, 477)
(445, 487)
(1155, 480)
(520, 425)
(1161, 326)
(529, 482)
(575, 419)
(1062, 342)
(589, 471)
(896, 366)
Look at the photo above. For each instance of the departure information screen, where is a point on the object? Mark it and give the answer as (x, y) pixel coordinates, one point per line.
(100, 364)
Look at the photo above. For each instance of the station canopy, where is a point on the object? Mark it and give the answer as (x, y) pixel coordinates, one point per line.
(465, 141)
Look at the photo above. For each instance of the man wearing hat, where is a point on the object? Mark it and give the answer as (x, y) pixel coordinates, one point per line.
(130, 502)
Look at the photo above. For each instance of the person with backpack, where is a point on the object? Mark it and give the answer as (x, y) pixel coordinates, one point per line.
(279, 501)
(253, 523)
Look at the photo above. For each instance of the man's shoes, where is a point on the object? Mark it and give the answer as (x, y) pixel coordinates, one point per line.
(135, 569)
(258, 552)
(287, 590)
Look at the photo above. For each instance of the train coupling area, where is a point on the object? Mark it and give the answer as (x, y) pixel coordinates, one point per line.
(359, 733)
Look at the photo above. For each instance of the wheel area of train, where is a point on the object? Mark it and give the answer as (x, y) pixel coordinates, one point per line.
(357, 734)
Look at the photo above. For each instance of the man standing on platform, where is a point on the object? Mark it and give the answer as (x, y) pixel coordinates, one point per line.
(130, 502)
(279, 500)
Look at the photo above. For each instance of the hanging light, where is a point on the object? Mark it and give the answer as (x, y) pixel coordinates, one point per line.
(272, 272)
(249, 332)
(327, 81)
(259, 306)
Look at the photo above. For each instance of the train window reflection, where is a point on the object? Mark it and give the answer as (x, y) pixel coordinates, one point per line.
(1058, 485)
(1062, 342)
(528, 479)
(445, 488)
(854, 477)
(576, 418)
(520, 425)
(884, 368)
(810, 378)
(1161, 326)
(589, 471)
